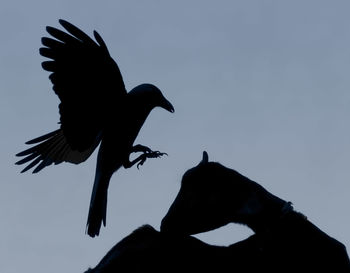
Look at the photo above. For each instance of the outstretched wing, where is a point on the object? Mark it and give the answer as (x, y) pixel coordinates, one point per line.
(90, 87)
(52, 148)
(87, 81)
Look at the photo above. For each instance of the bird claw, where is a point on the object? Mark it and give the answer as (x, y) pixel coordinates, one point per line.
(143, 159)
(149, 154)
(141, 148)
(139, 164)
(155, 154)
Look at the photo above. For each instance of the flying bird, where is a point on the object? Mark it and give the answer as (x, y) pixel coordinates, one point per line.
(94, 108)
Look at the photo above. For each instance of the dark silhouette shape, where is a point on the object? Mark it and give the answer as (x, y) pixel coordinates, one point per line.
(94, 108)
(212, 195)
(147, 250)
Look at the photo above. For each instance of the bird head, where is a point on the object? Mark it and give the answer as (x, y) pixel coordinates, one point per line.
(153, 97)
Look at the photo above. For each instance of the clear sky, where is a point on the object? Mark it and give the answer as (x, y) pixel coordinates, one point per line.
(263, 86)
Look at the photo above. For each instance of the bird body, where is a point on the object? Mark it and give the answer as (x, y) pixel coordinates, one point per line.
(94, 108)
(138, 108)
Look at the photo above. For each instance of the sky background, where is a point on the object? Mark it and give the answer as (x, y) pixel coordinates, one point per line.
(263, 86)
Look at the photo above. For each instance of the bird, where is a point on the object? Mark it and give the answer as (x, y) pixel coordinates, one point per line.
(95, 110)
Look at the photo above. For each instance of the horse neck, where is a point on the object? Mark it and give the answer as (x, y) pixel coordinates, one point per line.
(284, 229)
(264, 210)
(288, 221)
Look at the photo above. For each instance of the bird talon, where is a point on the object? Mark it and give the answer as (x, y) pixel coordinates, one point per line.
(147, 150)
(141, 148)
(143, 159)
(155, 154)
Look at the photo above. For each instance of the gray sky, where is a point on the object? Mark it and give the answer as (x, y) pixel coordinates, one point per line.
(263, 86)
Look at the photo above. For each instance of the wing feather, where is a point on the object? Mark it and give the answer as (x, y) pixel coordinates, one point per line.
(52, 148)
(87, 81)
(41, 138)
(76, 32)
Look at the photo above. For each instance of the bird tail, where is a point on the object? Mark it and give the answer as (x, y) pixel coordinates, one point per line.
(98, 205)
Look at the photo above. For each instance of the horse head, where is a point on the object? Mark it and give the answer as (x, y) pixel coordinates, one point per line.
(211, 196)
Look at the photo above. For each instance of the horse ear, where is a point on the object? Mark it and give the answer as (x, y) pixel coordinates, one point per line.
(205, 158)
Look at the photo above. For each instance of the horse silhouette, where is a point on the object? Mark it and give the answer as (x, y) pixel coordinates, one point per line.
(212, 195)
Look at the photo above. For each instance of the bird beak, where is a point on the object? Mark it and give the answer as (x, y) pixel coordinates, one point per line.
(167, 106)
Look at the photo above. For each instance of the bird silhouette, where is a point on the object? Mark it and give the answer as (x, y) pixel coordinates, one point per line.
(94, 108)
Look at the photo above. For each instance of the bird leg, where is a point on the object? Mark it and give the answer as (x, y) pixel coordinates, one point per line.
(147, 153)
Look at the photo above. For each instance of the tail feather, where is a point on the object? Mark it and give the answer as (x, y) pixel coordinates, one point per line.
(98, 205)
